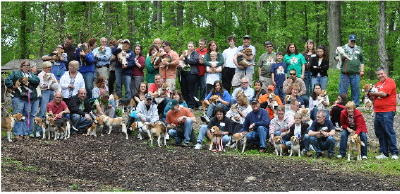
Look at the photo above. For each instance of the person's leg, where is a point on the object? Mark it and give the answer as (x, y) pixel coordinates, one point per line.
(343, 142)
(33, 113)
(314, 80)
(188, 127)
(18, 107)
(126, 81)
(379, 132)
(111, 81)
(202, 81)
(44, 100)
(174, 134)
(305, 142)
(315, 143)
(344, 83)
(88, 78)
(171, 83)
(324, 82)
(210, 110)
(262, 136)
(307, 82)
(202, 133)
(364, 139)
(389, 133)
(355, 88)
(226, 139)
(185, 82)
(118, 81)
(331, 141)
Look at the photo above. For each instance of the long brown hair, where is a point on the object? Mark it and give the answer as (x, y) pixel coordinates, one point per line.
(295, 49)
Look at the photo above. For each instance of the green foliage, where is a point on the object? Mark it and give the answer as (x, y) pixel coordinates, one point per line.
(10, 162)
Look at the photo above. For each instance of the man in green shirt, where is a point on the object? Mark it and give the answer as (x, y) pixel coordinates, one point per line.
(264, 64)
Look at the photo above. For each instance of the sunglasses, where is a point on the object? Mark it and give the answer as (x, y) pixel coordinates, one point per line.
(292, 73)
(26, 65)
(269, 46)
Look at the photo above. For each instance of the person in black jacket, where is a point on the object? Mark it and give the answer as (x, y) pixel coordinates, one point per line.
(188, 75)
(300, 130)
(219, 120)
(319, 68)
(80, 108)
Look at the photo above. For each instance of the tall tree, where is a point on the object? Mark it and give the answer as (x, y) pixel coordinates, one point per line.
(43, 38)
(383, 57)
(179, 14)
(333, 28)
(23, 31)
(131, 19)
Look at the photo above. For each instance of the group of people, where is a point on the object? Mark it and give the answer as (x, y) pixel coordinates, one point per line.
(287, 99)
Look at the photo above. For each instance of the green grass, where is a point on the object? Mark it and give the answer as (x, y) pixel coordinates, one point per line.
(10, 162)
(74, 186)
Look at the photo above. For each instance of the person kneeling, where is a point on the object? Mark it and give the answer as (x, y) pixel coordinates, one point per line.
(180, 122)
(321, 135)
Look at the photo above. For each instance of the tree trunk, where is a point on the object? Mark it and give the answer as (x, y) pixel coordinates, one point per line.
(284, 15)
(131, 19)
(179, 15)
(333, 29)
(60, 22)
(22, 34)
(42, 38)
(318, 19)
(383, 57)
(306, 22)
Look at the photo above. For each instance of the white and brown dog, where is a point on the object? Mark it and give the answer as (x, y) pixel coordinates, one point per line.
(295, 147)
(157, 129)
(112, 122)
(280, 147)
(41, 123)
(354, 145)
(238, 138)
(216, 139)
(60, 128)
(8, 123)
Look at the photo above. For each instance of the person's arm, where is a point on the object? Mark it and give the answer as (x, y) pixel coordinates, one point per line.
(272, 128)
(149, 66)
(141, 62)
(226, 98)
(361, 57)
(33, 80)
(360, 123)
(131, 60)
(264, 119)
(303, 88)
(90, 58)
(246, 124)
(193, 60)
(207, 60)
(175, 59)
(303, 66)
(312, 131)
(220, 60)
(107, 55)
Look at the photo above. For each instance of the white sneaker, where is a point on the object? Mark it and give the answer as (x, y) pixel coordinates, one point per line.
(382, 156)
(339, 156)
(395, 157)
(167, 136)
(197, 146)
(364, 157)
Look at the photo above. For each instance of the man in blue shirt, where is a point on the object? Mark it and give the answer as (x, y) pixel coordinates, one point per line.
(321, 134)
(103, 56)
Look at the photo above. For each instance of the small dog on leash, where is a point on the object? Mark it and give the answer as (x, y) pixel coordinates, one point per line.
(216, 139)
(238, 138)
(41, 123)
(354, 145)
(112, 122)
(295, 148)
(8, 123)
(279, 146)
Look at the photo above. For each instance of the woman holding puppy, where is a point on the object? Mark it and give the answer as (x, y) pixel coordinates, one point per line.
(318, 101)
(48, 84)
(353, 122)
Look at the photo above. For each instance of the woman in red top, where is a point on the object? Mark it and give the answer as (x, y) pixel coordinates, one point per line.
(352, 122)
(137, 71)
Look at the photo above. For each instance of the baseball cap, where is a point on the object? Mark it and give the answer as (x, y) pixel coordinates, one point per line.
(268, 43)
(126, 41)
(246, 36)
(148, 96)
(254, 101)
(352, 37)
(271, 87)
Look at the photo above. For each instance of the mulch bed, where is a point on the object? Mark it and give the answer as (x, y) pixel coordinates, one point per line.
(112, 163)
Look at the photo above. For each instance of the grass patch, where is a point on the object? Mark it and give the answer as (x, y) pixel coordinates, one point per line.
(10, 162)
(74, 186)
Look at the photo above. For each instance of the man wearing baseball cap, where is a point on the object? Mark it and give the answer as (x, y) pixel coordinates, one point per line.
(123, 72)
(247, 72)
(352, 68)
(265, 62)
(147, 110)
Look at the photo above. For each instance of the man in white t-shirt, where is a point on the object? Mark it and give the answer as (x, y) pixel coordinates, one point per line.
(229, 66)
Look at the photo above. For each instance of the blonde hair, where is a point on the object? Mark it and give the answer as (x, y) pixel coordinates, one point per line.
(47, 64)
(74, 64)
(298, 116)
(351, 105)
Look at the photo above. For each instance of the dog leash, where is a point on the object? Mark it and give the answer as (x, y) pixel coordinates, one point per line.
(29, 115)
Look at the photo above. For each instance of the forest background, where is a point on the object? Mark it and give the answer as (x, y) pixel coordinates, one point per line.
(33, 29)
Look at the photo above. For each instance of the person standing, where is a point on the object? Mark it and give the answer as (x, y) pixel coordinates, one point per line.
(189, 76)
(69, 48)
(385, 109)
(295, 61)
(168, 69)
(87, 62)
(308, 54)
(264, 64)
(103, 56)
(248, 71)
(151, 67)
(319, 66)
(123, 72)
(137, 70)
(351, 70)
(229, 66)
(201, 85)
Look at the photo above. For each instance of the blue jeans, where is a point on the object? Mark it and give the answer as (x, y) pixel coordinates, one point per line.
(186, 133)
(279, 91)
(347, 80)
(307, 82)
(29, 111)
(260, 135)
(118, 81)
(323, 81)
(126, 81)
(201, 86)
(383, 125)
(343, 143)
(211, 108)
(285, 139)
(319, 144)
(80, 122)
(89, 78)
(47, 96)
(203, 132)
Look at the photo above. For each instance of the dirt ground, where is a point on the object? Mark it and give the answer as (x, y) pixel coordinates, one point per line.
(111, 163)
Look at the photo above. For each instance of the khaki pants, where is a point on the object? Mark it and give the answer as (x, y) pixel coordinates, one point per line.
(239, 75)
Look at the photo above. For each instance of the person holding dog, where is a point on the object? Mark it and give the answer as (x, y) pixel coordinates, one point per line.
(352, 122)
(265, 63)
(220, 120)
(280, 125)
(123, 72)
(223, 101)
(58, 107)
(103, 58)
(48, 84)
(256, 125)
(23, 84)
(59, 61)
(248, 71)
(180, 123)
(385, 109)
(168, 69)
(321, 134)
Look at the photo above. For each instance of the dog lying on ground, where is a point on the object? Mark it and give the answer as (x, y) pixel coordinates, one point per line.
(354, 145)
(279, 146)
(216, 139)
(41, 123)
(238, 138)
(112, 122)
(8, 123)
(295, 146)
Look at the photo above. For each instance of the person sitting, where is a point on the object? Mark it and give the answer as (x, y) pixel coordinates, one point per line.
(294, 95)
(244, 87)
(321, 134)
(223, 100)
(270, 101)
(180, 122)
(100, 92)
(318, 101)
(147, 110)
(255, 125)
(140, 95)
(280, 126)
(258, 90)
(220, 120)
(58, 107)
(161, 92)
(337, 108)
(80, 107)
(177, 95)
(301, 86)
(352, 122)
(238, 112)
(300, 130)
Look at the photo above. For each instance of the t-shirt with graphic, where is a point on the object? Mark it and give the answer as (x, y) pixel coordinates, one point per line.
(295, 61)
(386, 104)
(279, 70)
(265, 62)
